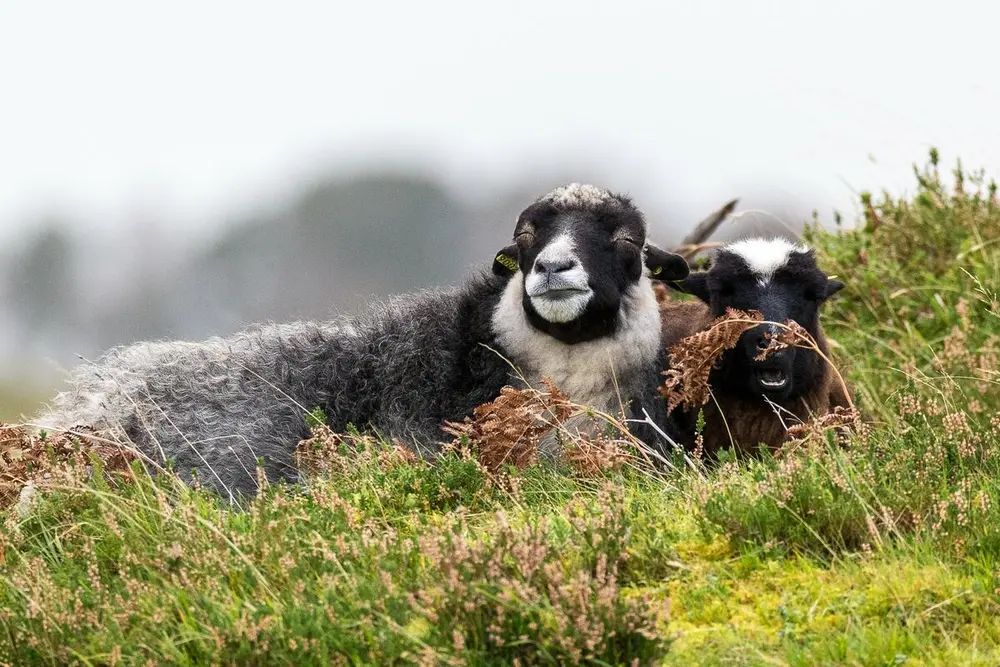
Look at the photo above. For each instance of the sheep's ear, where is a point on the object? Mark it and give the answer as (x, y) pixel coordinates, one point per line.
(505, 262)
(665, 266)
(833, 286)
(695, 284)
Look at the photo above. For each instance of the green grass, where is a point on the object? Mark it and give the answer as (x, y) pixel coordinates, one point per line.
(883, 550)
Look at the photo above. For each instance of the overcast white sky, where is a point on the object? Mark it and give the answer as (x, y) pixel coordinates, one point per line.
(199, 109)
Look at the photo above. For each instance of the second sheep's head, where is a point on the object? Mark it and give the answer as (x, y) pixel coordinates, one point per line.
(782, 281)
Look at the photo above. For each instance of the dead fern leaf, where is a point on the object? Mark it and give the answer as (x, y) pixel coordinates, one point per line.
(692, 358)
(508, 429)
(792, 334)
(28, 458)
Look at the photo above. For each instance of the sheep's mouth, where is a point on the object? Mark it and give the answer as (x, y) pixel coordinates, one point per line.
(560, 305)
(772, 379)
(556, 286)
(561, 293)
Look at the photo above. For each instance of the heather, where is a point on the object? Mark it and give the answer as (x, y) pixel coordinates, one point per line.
(873, 543)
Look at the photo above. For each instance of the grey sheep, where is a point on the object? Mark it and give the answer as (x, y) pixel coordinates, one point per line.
(571, 300)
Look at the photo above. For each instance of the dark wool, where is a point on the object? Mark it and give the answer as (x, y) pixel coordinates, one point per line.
(738, 414)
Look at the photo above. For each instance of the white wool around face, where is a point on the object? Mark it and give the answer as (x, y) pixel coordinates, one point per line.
(588, 372)
(563, 308)
(765, 256)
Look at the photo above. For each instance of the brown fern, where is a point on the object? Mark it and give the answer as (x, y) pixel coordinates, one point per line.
(28, 458)
(507, 430)
(692, 359)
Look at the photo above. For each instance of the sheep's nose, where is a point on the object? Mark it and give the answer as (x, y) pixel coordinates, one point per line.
(554, 265)
(758, 338)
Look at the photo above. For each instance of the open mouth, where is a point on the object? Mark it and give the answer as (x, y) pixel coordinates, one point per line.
(772, 378)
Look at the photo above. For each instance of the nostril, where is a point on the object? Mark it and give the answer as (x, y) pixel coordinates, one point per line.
(554, 266)
(763, 343)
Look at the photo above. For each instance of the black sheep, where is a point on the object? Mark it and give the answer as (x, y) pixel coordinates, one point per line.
(782, 281)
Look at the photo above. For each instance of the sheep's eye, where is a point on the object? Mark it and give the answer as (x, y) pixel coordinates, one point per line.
(524, 238)
(629, 240)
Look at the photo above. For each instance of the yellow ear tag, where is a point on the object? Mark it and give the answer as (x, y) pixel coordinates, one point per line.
(657, 271)
(507, 261)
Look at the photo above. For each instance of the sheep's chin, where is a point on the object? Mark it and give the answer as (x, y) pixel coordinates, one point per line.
(561, 306)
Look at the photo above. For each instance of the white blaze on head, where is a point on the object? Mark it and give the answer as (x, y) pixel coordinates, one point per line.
(558, 283)
(764, 256)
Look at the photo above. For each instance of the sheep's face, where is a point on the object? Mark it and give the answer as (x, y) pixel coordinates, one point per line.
(580, 250)
(782, 281)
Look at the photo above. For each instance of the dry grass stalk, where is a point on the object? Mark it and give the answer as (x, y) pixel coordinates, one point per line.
(841, 420)
(313, 455)
(593, 456)
(397, 456)
(320, 454)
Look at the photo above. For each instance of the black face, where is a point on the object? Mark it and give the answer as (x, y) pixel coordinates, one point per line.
(795, 291)
(579, 263)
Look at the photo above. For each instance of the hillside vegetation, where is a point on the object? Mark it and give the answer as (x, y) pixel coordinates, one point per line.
(879, 549)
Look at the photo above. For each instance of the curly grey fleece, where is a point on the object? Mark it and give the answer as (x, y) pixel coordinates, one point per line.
(216, 408)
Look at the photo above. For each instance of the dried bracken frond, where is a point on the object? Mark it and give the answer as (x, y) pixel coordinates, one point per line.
(692, 359)
(507, 430)
(792, 335)
(26, 458)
